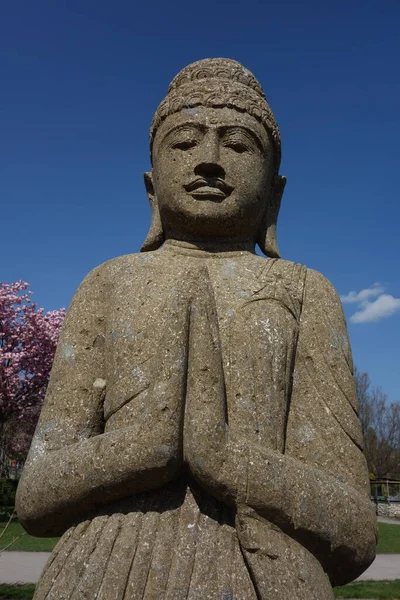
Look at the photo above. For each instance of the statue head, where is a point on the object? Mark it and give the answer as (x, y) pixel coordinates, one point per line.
(215, 150)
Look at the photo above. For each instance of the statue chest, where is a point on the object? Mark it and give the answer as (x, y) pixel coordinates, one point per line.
(257, 326)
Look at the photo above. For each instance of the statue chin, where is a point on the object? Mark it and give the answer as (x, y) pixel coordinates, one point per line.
(208, 219)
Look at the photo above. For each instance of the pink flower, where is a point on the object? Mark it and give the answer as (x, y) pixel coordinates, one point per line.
(28, 339)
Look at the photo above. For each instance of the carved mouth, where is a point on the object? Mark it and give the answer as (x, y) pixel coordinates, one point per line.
(208, 189)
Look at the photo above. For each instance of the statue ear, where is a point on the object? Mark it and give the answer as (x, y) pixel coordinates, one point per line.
(155, 237)
(266, 238)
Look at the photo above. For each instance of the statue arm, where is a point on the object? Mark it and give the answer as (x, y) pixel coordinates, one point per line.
(73, 466)
(317, 492)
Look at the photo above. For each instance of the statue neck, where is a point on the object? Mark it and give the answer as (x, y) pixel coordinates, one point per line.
(204, 248)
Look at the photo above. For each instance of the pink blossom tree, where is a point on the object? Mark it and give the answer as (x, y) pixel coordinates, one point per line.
(28, 339)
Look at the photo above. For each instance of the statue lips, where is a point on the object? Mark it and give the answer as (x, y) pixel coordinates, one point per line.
(215, 189)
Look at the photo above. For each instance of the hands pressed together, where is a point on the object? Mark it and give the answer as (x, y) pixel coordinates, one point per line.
(187, 403)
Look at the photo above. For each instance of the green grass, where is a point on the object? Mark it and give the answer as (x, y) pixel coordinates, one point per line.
(389, 539)
(384, 590)
(27, 543)
(21, 592)
(389, 543)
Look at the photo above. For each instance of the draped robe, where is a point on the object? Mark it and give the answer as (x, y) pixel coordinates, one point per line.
(287, 374)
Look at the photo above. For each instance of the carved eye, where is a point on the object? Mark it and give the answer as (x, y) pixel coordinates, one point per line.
(239, 140)
(185, 145)
(238, 147)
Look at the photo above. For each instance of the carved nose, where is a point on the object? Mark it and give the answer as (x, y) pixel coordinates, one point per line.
(209, 170)
(209, 154)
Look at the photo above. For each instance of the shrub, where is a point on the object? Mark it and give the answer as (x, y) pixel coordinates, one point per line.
(7, 492)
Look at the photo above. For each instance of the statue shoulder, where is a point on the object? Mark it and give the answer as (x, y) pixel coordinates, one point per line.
(300, 277)
(288, 278)
(120, 266)
(302, 285)
(286, 269)
(322, 306)
(319, 289)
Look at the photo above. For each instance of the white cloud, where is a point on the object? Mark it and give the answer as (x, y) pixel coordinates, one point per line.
(384, 306)
(358, 297)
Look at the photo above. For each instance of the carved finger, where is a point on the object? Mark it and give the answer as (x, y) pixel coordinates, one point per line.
(167, 393)
(205, 412)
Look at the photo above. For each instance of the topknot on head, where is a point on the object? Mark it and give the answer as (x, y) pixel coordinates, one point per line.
(216, 68)
(218, 82)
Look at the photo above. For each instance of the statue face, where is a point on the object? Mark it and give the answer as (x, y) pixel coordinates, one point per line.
(212, 174)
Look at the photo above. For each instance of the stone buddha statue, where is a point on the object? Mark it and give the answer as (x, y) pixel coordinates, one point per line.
(199, 437)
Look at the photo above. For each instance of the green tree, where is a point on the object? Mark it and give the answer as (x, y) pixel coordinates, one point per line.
(380, 422)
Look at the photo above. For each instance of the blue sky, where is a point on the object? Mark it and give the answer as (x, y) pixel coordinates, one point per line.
(82, 79)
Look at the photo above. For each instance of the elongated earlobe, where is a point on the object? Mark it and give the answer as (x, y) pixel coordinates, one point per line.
(267, 235)
(155, 238)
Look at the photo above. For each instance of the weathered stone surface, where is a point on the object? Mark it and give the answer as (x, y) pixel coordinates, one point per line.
(200, 437)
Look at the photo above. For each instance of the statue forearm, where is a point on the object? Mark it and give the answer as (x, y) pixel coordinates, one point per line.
(327, 515)
(76, 479)
(78, 476)
(334, 520)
